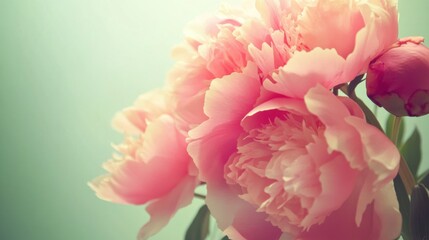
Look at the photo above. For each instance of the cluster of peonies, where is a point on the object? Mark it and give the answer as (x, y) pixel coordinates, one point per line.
(247, 110)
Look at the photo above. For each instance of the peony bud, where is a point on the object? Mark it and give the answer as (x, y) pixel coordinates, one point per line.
(398, 79)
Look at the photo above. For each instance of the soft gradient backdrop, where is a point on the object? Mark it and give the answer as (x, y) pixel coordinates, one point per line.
(66, 67)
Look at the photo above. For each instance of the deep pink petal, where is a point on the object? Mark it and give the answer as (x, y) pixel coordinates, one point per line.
(338, 181)
(381, 220)
(237, 218)
(341, 225)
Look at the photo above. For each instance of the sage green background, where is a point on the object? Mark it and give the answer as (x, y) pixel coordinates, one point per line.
(66, 67)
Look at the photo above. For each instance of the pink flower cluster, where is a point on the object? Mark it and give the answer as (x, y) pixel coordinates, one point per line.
(247, 109)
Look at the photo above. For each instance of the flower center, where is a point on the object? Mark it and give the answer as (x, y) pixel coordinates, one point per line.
(276, 168)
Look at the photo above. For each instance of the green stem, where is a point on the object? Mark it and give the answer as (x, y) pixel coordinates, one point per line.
(406, 176)
(375, 110)
(369, 115)
(395, 129)
(404, 171)
(200, 196)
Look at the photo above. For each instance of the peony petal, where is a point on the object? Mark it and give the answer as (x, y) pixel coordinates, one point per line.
(261, 113)
(331, 25)
(338, 181)
(379, 33)
(252, 225)
(237, 218)
(387, 210)
(211, 152)
(326, 106)
(252, 32)
(339, 135)
(130, 121)
(270, 11)
(381, 220)
(263, 57)
(230, 97)
(133, 180)
(133, 120)
(223, 202)
(227, 101)
(382, 155)
(163, 209)
(296, 78)
(382, 158)
(341, 225)
(353, 107)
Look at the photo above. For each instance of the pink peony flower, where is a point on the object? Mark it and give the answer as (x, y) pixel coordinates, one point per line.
(299, 164)
(398, 79)
(268, 35)
(209, 52)
(358, 30)
(153, 166)
(217, 84)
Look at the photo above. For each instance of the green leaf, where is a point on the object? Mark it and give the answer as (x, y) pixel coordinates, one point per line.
(419, 214)
(412, 151)
(199, 228)
(404, 207)
(424, 178)
(369, 115)
(225, 238)
(389, 127)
